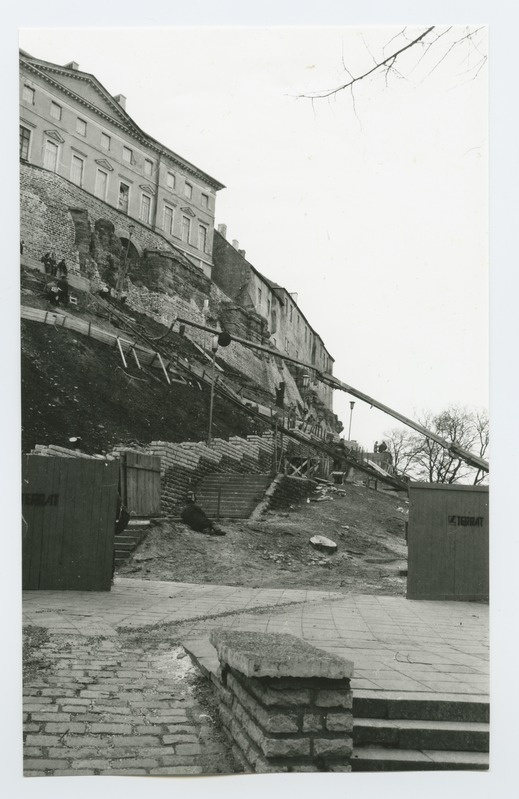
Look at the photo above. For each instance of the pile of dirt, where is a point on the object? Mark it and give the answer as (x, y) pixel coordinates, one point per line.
(275, 552)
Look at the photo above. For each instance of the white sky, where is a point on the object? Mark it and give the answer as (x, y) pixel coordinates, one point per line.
(378, 220)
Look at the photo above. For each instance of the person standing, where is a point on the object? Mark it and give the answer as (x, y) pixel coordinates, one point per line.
(63, 290)
(45, 259)
(53, 266)
(62, 268)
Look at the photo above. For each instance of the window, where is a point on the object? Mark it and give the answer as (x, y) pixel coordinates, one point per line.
(148, 167)
(291, 309)
(188, 191)
(168, 220)
(50, 156)
(202, 238)
(127, 155)
(170, 180)
(81, 126)
(105, 141)
(205, 200)
(124, 197)
(268, 307)
(55, 111)
(76, 170)
(28, 94)
(259, 296)
(101, 184)
(186, 228)
(145, 208)
(25, 141)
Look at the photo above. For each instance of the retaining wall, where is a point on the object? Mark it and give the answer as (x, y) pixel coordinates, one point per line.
(284, 704)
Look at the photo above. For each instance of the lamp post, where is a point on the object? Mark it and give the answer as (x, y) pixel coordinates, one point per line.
(214, 347)
(123, 268)
(351, 414)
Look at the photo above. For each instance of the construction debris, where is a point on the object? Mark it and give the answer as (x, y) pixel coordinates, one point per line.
(323, 544)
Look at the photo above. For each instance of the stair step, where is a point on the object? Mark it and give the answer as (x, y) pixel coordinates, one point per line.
(414, 734)
(415, 705)
(378, 758)
(127, 540)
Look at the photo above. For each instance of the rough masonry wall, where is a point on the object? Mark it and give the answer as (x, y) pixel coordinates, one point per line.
(56, 214)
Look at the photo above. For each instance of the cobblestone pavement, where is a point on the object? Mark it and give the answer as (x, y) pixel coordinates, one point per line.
(109, 707)
(115, 697)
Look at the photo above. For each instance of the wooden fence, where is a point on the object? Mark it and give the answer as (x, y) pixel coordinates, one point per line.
(448, 542)
(69, 507)
(140, 483)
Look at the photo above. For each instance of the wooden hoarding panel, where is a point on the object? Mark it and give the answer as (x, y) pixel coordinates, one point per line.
(447, 542)
(69, 507)
(142, 475)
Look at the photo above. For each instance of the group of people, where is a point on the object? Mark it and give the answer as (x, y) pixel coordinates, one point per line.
(57, 289)
(52, 267)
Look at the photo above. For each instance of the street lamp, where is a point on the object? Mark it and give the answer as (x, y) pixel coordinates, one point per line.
(214, 347)
(123, 268)
(351, 414)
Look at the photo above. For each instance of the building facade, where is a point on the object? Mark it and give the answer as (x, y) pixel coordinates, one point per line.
(72, 126)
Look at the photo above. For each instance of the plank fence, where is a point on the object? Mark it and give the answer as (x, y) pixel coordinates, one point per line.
(140, 483)
(69, 507)
(448, 542)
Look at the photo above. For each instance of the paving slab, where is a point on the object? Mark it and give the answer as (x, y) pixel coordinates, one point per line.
(394, 643)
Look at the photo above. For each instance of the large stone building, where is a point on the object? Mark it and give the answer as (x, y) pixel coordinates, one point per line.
(107, 197)
(72, 126)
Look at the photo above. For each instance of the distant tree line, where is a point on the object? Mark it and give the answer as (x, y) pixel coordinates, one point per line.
(422, 459)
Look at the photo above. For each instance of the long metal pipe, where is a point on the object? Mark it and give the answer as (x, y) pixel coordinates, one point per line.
(473, 460)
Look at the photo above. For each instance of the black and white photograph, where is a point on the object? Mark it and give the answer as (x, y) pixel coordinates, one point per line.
(254, 441)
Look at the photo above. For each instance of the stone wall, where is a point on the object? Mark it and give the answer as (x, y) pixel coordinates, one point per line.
(284, 704)
(289, 490)
(92, 236)
(184, 465)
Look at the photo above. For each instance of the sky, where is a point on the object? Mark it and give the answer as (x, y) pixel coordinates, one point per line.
(373, 212)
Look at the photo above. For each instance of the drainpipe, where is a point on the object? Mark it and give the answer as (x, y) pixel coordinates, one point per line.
(157, 182)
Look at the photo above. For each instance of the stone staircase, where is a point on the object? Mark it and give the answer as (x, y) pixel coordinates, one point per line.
(407, 732)
(129, 539)
(231, 496)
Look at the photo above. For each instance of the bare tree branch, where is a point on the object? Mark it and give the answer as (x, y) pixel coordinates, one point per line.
(378, 66)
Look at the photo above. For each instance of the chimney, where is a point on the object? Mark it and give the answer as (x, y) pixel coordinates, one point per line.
(222, 230)
(235, 244)
(242, 253)
(121, 99)
(72, 65)
(294, 295)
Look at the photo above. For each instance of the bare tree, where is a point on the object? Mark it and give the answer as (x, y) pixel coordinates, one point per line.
(424, 459)
(429, 47)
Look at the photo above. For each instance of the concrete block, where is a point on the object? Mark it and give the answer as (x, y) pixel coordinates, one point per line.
(334, 698)
(278, 655)
(333, 747)
(339, 722)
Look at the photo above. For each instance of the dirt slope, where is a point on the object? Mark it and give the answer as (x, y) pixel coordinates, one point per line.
(75, 386)
(275, 552)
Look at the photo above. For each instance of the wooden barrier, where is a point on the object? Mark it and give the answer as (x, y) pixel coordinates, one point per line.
(140, 483)
(69, 507)
(448, 542)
